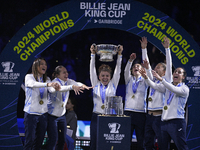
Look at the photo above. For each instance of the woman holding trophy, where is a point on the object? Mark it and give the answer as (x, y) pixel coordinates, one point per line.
(104, 86)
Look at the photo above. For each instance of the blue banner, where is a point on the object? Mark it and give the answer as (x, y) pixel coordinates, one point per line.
(72, 16)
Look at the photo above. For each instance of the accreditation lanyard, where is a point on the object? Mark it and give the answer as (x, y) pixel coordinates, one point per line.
(171, 94)
(103, 92)
(41, 89)
(64, 94)
(135, 85)
(153, 90)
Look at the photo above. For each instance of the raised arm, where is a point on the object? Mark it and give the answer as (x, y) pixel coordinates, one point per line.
(168, 73)
(93, 74)
(145, 57)
(149, 71)
(127, 72)
(117, 71)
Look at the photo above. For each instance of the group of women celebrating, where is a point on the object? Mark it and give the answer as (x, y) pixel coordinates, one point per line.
(161, 121)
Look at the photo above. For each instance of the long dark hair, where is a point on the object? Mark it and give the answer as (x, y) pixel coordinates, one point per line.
(133, 66)
(35, 66)
(184, 73)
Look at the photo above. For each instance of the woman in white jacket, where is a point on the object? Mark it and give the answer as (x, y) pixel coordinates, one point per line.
(155, 97)
(35, 117)
(103, 87)
(56, 128)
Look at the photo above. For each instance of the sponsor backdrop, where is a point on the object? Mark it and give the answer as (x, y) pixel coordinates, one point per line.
(72, 16)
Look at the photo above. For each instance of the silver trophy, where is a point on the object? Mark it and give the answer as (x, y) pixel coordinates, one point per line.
(106, 51)
(114, 106)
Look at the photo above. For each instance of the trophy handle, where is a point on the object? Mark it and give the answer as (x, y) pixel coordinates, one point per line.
(116, 49)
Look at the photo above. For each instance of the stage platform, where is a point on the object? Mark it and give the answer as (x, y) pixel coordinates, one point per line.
(82, 139)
